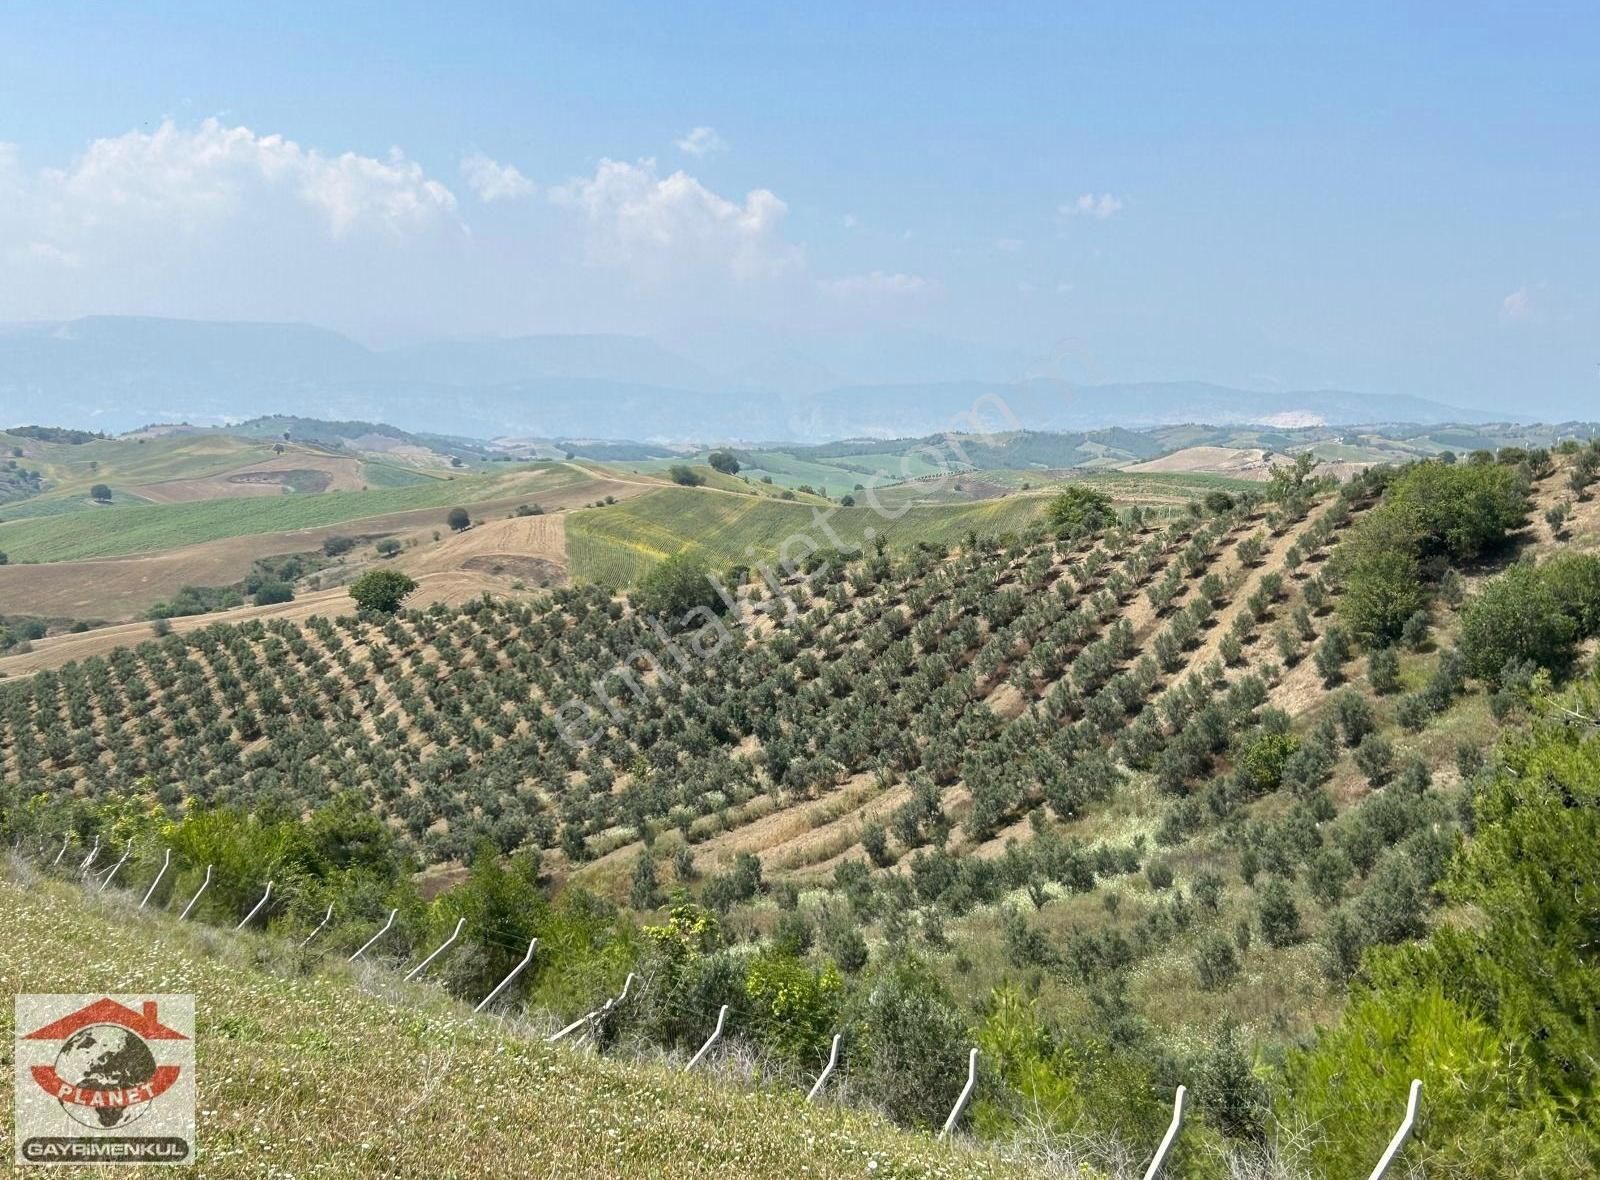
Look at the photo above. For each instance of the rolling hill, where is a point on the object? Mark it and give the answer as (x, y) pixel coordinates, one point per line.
(1143, 800)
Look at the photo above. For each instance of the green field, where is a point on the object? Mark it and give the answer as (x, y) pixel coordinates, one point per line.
(145, 528)
(130, 461)
(616, 545)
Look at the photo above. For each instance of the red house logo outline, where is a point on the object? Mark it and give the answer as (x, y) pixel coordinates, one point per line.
(143, 1024)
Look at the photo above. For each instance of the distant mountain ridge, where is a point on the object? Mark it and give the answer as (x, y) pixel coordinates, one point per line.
(116, 373)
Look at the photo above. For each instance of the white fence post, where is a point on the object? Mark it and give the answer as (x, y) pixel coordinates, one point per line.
(196, 896)
(257, 908)
(578, 1023)
(165, 861)
(598, 1012)
(65, 840)
(366, 946)
(326, 918)
(1402, 1134)
(443, 946)
(89, 860)
(966, 1094)
(722, 1017)
(1170, 1137)
(506, 982)
(822, 1079)
(116, 868)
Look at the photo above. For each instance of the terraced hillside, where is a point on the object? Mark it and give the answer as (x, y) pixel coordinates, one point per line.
(1157, 783)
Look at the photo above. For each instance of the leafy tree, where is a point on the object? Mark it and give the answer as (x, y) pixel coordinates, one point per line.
(458, 519)
(1517, 616)
(100, 494)
(682, 473)
(1355, 716)
(387, 547)
(1383, 589)
(1460, 511)
(1574, 578)
(843, 941)
(724, 461)
(382, 591)
(675, 587)
(338, 546)
(269, 593)
(1081, 509)
(1288, 480)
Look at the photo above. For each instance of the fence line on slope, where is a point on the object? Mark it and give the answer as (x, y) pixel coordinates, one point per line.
(596, 1018)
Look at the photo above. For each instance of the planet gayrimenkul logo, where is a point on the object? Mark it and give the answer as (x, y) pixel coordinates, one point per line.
(105, 1079)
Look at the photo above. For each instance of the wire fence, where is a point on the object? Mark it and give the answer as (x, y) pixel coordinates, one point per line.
(589, 1028)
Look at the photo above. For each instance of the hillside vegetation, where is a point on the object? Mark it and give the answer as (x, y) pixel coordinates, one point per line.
(1212, 797)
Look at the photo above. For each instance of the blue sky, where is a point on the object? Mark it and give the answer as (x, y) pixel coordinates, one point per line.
(1395, 198)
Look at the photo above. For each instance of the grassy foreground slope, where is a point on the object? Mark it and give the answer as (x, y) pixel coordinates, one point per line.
(321, 1073)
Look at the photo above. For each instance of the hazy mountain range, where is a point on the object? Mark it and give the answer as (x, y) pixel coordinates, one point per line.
(117, 373)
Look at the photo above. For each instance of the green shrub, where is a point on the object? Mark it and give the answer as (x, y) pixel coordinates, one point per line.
(1215, 963)
(794, 1009)
(1375, 759)
(1277, 915)
(1262, 763)
(1383, 671)
(909, 1045)
(1519, 616)
(270, 593)
(684, 475)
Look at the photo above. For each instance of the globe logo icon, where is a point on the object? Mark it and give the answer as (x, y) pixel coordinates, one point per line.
(105, 1057)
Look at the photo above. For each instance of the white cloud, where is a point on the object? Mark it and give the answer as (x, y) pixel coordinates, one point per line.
(1089, 205)
(494, 181)
(702, 141)
(215, 172)
(877, 285)
(1521, 304)
(218, 221)
(650, 224)
(212, 221)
